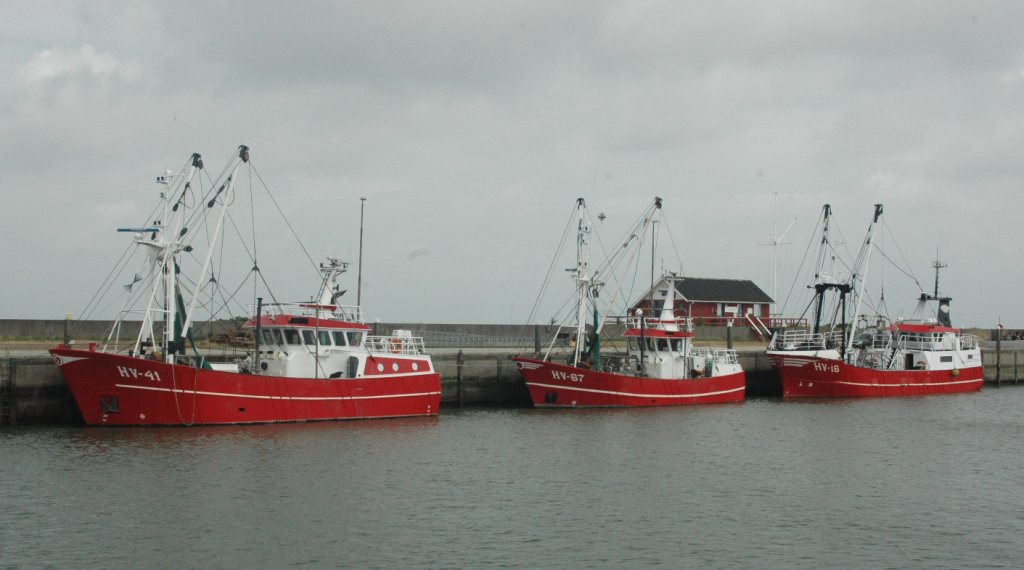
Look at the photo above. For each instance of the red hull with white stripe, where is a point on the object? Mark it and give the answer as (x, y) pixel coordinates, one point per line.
(813, 377)
(118, 390)
(559, 385)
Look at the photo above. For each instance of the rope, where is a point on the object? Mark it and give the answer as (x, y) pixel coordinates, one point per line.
(551, 266)
(285, 218)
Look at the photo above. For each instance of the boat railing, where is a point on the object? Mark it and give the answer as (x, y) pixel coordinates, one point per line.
(968, 342)
(682, 323)
(801, 339)
(347, 313)
(930, 341)
(881, 341)
(406, 345)
(719, 355)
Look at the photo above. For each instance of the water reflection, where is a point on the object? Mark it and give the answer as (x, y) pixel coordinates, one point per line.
(862, 483)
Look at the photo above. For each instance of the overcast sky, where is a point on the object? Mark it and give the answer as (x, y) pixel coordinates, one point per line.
(471, 127)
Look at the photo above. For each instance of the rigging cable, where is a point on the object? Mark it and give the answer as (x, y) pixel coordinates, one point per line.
(803, 260)
(551, 266)
(115, 271)
(285, 218)
(908, 272)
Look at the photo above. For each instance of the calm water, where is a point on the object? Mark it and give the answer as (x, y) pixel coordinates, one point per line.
(908, 483)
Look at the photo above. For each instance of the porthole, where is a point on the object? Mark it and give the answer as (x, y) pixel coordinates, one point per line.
(380, 367)
(415, 366)
(394, 367)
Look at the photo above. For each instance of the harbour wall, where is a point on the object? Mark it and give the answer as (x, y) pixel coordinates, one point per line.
(32, 390)
(54, 330)
(96, 330)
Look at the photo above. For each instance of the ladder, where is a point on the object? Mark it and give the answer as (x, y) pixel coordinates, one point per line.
(759, 327)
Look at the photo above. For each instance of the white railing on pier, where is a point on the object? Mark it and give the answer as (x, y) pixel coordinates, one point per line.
(439, 339)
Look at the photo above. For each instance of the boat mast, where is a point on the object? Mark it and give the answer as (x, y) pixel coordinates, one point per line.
(938, 264)
(224, 195)
(581, 277)
(820, 285)
(657, 206)
(860, 273)
(942, 310)
(643, 365)
(359, 278)
(162, 244)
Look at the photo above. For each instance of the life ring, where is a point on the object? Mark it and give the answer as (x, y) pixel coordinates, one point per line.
(396, 346)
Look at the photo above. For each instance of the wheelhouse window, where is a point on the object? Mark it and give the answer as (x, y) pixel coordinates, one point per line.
(339, 338)
(267, 336)
(633, 347)
(663, 345)
(677, 344)
(324, 337)
(355, 338)
(291, 336)
(308, 337)
(278, 339)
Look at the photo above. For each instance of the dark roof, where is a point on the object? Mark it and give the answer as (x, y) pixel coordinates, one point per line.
(721, 290)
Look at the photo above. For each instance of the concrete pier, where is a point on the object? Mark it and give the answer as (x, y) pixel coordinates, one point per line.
(32, 390)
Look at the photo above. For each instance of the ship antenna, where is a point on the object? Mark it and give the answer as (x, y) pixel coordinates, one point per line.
(775, 242)
(359, 278)
(938, 264)
(657, 206)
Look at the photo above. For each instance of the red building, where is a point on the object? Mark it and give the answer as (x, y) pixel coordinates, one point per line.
(712, 302)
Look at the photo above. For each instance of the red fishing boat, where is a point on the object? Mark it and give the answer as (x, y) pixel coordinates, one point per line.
(849, 358)
(311, 361)
(660, 366)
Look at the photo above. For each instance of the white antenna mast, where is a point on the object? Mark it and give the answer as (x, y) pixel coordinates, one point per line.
(774, 244)
(938, 264)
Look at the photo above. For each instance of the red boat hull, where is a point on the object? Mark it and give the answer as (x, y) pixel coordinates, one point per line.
(811, 377)
(558, 385)
(117, 390)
